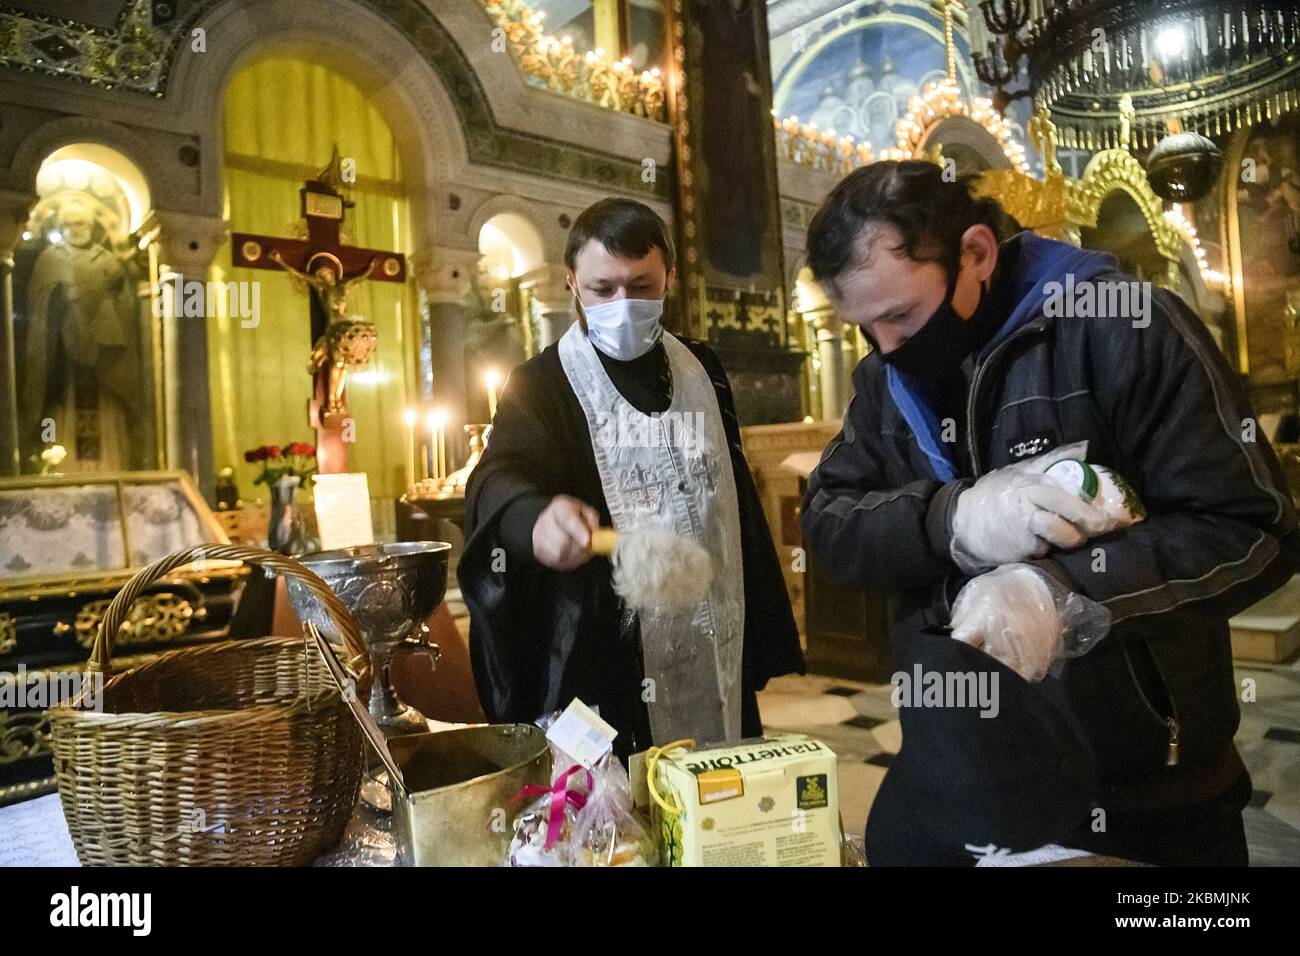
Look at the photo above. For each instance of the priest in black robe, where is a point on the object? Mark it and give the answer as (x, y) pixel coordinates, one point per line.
(545, 623)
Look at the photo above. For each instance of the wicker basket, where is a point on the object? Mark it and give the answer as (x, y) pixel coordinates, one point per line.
(236, 753)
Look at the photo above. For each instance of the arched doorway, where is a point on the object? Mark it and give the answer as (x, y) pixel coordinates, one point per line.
(1123, 231)
(504, 327)
(259, 383)
(87, 348)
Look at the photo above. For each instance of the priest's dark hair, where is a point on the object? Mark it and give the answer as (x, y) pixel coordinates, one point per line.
(930, 210)
(624, 227)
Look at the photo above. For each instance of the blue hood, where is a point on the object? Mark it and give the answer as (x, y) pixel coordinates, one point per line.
(1038, 261)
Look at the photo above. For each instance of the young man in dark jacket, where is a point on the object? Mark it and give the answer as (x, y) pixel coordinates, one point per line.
(988, 359)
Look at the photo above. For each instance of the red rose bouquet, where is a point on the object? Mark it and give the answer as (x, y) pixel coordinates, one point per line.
(296, 459)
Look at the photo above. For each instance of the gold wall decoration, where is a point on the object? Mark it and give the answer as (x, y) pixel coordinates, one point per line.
(8, 633)
(939, 101)
(23, 734)
(1113, 169)
(805, 145)
(163, 616)
(554, 64)
(1037, 204)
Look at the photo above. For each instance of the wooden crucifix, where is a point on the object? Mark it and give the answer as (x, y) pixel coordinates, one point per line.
(340, 342)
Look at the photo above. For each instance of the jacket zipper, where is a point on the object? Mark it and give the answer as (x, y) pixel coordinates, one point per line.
(1171, 752)
(971, 404)
(1172, 755)
(971, 443)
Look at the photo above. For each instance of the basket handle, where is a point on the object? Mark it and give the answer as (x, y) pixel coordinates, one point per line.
(101, 655)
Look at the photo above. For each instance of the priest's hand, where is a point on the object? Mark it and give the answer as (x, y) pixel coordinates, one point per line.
(562, 534)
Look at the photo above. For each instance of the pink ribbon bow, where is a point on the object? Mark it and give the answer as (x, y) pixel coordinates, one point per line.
(560, 795)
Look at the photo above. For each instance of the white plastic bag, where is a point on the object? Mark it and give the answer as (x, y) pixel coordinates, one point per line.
(1027, 620)
(608, 831)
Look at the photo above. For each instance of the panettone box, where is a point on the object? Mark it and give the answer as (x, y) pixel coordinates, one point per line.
(767, 802)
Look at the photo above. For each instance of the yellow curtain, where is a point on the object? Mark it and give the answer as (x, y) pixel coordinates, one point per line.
(282, 119)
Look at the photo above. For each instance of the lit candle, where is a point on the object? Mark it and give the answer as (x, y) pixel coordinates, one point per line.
(430, 450)
(492, 378)
(409, 417)
(440, 417)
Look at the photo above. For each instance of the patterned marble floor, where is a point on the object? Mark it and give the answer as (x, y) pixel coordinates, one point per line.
(858, 722)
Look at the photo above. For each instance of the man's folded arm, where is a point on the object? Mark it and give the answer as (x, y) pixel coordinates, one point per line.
(865, 532)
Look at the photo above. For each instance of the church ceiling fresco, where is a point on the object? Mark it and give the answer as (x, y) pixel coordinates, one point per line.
(856, 71)
(858, 77)
(134, 56)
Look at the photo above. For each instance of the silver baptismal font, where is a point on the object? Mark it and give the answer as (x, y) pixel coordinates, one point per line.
(391, 589)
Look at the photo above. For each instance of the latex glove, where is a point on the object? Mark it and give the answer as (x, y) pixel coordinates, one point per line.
(1017, 512)
(1026, 619)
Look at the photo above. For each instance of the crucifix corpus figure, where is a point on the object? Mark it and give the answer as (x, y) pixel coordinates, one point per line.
(340, 342)
(347, 341)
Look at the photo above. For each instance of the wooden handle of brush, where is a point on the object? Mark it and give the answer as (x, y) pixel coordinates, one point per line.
(603, 541)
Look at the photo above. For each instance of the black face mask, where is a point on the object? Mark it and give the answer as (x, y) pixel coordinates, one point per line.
(942, 344)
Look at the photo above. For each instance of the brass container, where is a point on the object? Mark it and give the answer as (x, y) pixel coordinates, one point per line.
(453, 790)
(453, 804)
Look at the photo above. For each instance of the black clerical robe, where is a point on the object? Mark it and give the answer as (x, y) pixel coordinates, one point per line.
(538, 637)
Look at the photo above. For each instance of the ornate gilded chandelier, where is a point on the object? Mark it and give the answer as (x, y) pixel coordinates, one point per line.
(1205, 66)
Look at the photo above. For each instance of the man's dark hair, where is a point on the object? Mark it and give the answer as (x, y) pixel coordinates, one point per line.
(624, 227)
(929, 211)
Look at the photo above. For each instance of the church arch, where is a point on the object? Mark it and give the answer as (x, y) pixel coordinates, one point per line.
(89, 390)
(98, 140)
(413, 102)
(518, 220)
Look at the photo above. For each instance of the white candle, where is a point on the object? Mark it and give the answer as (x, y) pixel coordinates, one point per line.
(409, 417)
(441, 417)
(492, 378)
(431, 450)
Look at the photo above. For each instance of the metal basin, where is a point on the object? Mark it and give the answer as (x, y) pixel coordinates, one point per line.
(453, 805)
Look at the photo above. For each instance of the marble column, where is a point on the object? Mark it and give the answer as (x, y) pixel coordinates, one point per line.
(830, 349)
(187, 244)
(443, 273)
(549, 286)
(14, 207)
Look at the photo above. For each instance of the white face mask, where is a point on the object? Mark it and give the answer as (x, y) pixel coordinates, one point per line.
(624, 329)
